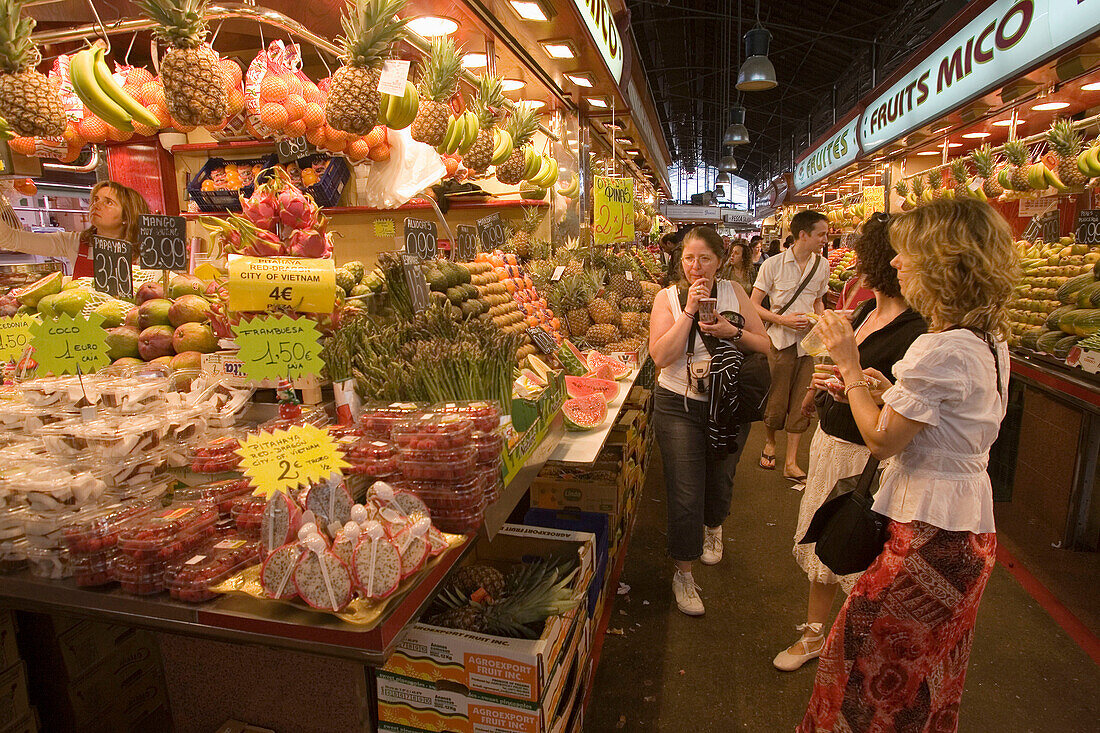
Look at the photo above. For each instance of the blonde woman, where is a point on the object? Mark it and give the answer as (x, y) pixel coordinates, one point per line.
(897, 654)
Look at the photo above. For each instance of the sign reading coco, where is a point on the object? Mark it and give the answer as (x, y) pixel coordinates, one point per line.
(601, 25)
(835, 153)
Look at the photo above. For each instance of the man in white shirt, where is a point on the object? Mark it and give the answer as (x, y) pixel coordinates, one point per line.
(786, 321)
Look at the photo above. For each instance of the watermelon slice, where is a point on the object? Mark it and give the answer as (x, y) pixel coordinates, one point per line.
(584, 386)
(585, 413)
(571, 359)
(595, 359)
(603, 371)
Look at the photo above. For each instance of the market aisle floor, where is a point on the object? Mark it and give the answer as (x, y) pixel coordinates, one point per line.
(669, 672)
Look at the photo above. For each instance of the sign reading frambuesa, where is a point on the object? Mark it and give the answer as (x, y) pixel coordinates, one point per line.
(276, 347)
(286, 459)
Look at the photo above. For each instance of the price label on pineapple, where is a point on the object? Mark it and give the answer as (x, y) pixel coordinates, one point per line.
(163, 242)
(490, 229)
(15, 337)
(395, 73)
(465, 246)
(558, 272)
(290, 149)
(286, 459)
(1088, 227)
(414, 278)
(305, 285)
(67, 345)
(420, 239)
(112, 268)
(276, 347)
(543, 341)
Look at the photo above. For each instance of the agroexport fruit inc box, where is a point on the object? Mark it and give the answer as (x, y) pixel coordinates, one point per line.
(521, 669)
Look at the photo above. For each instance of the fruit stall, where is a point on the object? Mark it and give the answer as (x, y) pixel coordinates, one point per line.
(361, 411)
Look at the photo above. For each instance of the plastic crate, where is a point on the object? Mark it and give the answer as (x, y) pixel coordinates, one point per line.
(225, 200)
(328, 189)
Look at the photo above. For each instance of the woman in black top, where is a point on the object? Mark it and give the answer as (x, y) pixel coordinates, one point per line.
(885, 327)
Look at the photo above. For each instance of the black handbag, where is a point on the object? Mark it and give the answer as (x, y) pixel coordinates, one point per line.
(849, 535)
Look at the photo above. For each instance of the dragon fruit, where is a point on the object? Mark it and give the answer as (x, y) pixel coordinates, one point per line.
(412, 542)
(278, 569)
(346, 540)
(281, 519)
(376, 562)
(308, 243)
(411, 504)
(329, 501)
(262, 208)
(296, 209)
(266, 244)
(437, 542)
(321, 577)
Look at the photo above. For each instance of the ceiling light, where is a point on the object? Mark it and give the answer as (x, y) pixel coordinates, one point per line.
(719, 191)
(431, 26)
(581, 80)
(1091, 87)
(600, 102)
(1006, 123)
(727, 164)
(530, 104)
(512, 85)
(723, 177)
(736, 133)
(632, 152)
(951, 145)
(975, 135)
(475, 61)
(1047, 106)
(757, 73)
(928, 152)
(532, 9)
(559, 49)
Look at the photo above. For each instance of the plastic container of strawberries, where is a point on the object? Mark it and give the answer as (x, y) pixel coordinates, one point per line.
(137, 577)
(492, 482)
(484, 413)
(93, 568)
(97, 531)
(227, 199)
(209, 564)
(248, 513)
(217, 455)
(168, 533)
(451, 503)
(220, 494)
(434, 432)
(437, 465)
(378, 421)
(490, 447)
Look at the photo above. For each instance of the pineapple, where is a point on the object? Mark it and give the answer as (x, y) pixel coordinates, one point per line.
(618, 281)
(633, 323)
(27, 101)
(649, 294)
(602, 334)
(920, 193)
(370, 28)
(468, 579)
(983, 162)
(961, 175)
(603, 311)
(935, 182)
(438, 83)
(194, 87)
(522, 125)
(1065, 142)
(901, 188)
(520, 241)
(490, 98)
(1016, 153)
(575, 291)
(629, 304)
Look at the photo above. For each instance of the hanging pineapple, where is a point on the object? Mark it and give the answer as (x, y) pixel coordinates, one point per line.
(370, 29)
(191, 72)
(920, 193)
(27, 101)
(1065, 142)
(521, 125)
(960, 175)
(935, 183)
(438, 83)
(901, 188)
(490, 98)
(983, 161)
(1016, 153)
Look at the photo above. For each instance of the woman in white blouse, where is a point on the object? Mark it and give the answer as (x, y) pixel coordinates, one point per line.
(897, 654)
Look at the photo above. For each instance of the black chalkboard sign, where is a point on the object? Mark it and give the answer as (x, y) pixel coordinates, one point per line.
(1088, 227)
(1046, 226)
(289, 149)
(414, 278)
(490, 230)
(162, 241)
(420, 239)
(465, 246)
(111, 267)
(544, 342)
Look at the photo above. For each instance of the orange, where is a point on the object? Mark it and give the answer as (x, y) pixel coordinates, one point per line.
(380, 153)
(295, 128)
(236, 101)
(182, 128)
(152, 93)
(22, 145)
(273, 89)
(294, 84)
(138, 76)
(295, 106)
(358, 149)
(93, 129)
(451, 165)
(309, 177)
(314, 115)
(312, 93)
(146, 130)
(231, 70)
(316, 136)
(117, 135)
(376, 136)
(274, 115)
(208, 185)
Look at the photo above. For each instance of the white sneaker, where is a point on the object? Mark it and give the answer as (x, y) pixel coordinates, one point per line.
(687, 594)
(811, 644)
(712, 545)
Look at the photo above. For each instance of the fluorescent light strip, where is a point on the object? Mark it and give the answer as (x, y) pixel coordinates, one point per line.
(1048, 106)
(528, 10)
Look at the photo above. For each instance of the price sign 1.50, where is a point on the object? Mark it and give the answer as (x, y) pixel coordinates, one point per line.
(420, 239)
(112, 270)
(163, 242)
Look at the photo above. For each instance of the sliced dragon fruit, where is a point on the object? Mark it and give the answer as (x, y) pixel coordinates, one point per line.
(330, 502)
(278, 569)
(437, 542)
(411, 504)
(412, 542)
(281, 519)
(321, 577)
(345, 542)
(376, 562)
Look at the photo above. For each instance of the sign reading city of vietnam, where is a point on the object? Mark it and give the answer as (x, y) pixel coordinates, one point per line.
(998, 44)
(613, 210)
(832, 155)
(305, 285)
(286, 459)
(15, 337)
(67, 345)
(277, 347)
(600, 20)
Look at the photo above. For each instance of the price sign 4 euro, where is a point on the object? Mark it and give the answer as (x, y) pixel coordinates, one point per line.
(305, 285)
(286, 459)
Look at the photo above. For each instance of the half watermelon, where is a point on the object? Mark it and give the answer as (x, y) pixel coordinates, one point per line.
(585, 413)
(595, 359)
(584, 386)
(571, 359)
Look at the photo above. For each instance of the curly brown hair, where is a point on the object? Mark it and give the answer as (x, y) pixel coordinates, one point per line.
(873, 255)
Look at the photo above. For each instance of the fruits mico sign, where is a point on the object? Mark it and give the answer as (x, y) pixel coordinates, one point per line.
(305, 285)
(613, 210)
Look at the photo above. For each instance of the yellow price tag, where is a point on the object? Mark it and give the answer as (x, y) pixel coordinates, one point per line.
(15, 337)
(613, 210)
(286, 459)
(274, 347)
(67, 345)
(258, 283)
(385, 228)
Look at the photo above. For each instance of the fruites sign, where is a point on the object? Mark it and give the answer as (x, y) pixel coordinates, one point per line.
(835, 153)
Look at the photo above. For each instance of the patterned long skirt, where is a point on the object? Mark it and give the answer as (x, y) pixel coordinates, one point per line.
(896, 657)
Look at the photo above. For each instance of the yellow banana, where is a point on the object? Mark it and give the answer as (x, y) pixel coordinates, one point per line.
(94, 98)
(503, 147)
(470, 128)
(106, 81)
(546, 178)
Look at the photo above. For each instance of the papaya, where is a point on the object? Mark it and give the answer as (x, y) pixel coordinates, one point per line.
(1067, 294)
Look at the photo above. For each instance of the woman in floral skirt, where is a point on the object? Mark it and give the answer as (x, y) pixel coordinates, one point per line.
(897, 654)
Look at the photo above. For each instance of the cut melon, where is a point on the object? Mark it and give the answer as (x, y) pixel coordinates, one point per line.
(603, 371)
(595, 359)
(584, 386)
(571, 359)
(540, 368)
(585, 413)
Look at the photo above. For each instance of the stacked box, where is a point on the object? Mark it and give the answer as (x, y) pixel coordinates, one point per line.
(17, 715)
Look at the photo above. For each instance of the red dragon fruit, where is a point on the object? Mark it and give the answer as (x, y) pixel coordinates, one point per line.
(321, 577)
(346, 540)
(262, 208)
(308, 243)
(376, 562)
(329, 501)
(281, 519)
(266, 244)
(296, 209)
(277, 571)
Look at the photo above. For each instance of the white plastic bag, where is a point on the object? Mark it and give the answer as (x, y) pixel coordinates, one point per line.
(412, 167)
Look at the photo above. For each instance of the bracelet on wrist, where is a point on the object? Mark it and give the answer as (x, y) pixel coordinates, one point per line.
(857, 385)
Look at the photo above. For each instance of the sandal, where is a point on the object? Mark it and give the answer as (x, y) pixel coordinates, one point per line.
(767, 462)
(799, 479)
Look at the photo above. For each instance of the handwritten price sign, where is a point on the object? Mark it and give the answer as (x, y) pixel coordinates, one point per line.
(67, 345)
(613, 210)
(286, 459)
(163, 242)
(15, 337)
(111, 269)
(274, 347)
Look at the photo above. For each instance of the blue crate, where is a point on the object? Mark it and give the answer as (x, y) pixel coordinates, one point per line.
(578, 521)
(223, 200)
(328, 189)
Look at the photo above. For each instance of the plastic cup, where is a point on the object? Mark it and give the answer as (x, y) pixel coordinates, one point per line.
(812, 343)
(708, 310)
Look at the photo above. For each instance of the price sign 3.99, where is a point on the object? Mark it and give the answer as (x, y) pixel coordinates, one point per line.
(163, 242)
(490, 230)
(420, 239)
(112, 270)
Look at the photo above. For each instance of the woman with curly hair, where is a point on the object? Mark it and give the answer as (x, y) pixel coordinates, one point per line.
(885, 327)
(897, 654)
(739, 266)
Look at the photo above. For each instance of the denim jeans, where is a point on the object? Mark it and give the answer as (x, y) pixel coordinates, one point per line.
(699, 486)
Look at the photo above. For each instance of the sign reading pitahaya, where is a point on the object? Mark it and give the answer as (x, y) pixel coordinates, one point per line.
(286, 459)
(305, 285)
(277, 347)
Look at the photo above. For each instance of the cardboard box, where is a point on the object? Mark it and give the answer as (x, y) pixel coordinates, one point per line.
(520, 669)
(14, 702)
(87, 643)
(236, 726)
(128, 683)
(593, 522)
(9, 643)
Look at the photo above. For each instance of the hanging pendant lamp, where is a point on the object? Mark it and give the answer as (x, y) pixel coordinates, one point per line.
(727, 164)
(723, 177)
(757, 73)
(736, 133)
(719, 191)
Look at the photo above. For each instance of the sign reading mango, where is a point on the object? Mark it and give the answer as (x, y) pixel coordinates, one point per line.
(286, 459)
(274, 347)
(257, 283)
(67, 345)
(613, 210)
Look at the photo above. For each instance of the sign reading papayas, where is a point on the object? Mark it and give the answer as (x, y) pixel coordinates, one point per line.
(305, 285)
(613, 210)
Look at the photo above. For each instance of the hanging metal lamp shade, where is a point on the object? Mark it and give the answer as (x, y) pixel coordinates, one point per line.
(727, 164)
(736, 133)
(722, 177)
(757, 73)
(719, 191)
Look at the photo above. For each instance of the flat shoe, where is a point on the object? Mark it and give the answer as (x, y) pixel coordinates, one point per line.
(800, 479)
(767, 462)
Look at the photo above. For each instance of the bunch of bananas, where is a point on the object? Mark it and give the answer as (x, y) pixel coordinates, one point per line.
(502, 146)
(571, 189)
(539, 170)
(397, 113)
(1088, 161)
(461, 134)
(102, 95)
